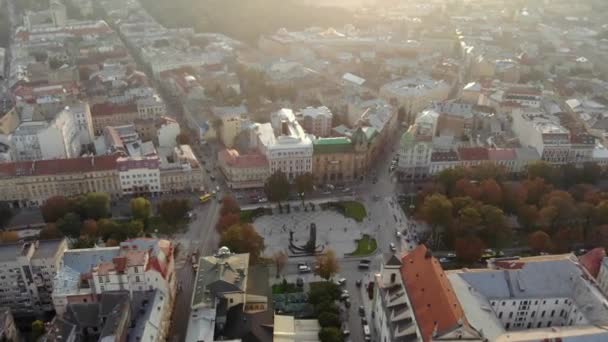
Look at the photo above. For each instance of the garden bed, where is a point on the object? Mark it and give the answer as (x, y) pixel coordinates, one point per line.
(365, 246)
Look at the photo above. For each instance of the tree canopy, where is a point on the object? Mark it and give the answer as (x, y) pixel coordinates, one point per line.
(141, 209)
(276, 187)
(243, 238)
(327, 265)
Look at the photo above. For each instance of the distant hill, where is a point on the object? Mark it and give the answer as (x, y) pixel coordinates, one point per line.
(244, 19)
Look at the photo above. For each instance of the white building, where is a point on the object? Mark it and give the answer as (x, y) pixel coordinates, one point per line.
(516, 299)
(26, 275)
(136, 265)
(415, 94)
(416, 146)
(139, 175)
(60, 138)
(167, 131)
(543, 133)
(285, 144)
(316, 120)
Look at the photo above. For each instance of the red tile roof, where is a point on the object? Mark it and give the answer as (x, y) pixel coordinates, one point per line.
(111, 109)
(234, 159)
(435, 305)
(524, 91)
(592, 260)
(57, 166)
(473, 153)
(502, 154)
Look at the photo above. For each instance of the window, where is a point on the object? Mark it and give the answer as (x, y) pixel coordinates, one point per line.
(137, 279)
(507, 326)
(538, 325)
(552, 313)
(533, 313)
(510, 315)
(500, 314)
(549, 324)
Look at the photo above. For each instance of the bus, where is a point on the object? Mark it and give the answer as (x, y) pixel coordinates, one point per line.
(205, 198)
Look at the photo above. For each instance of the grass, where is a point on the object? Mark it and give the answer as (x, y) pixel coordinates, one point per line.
(365, 246)
(248, 216)
(283, 288)
(157, 223)
(353, 209)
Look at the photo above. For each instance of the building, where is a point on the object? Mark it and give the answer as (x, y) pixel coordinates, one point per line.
(316, 120)
(520, 299)
(180, 170)
(416, 147)
(151, 107)
(107, 114)
(243, 170)
(116, 316)
(30, 183)
(139, 175)
(285, 144)
(334, 161)
(394, 319)
(227, 302)
(541, 132)
(232, 119)
(26, 275)
(415, 94)
(62, 137)
(437, 310)
(140, 264)
(288, 329)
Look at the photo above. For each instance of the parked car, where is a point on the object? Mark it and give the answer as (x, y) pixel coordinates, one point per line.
(358, 283)
(340, 281)
(361, 311)
(364, 264)
(303, 268)
(392, 247)
(344, 295)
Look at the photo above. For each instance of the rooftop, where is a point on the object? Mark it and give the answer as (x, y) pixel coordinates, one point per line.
(332, 145)
(413, 86)
(58, 166)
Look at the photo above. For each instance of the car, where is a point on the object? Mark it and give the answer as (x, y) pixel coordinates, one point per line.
(358, 283)
(212, 178)
(263, 200)
(392, 247)
(217, 188)
(361, 311)
(303, 268)
(341, 281)
(451, 255)
(443, 260)
(345, 332)
(364, 264)
(363, 320)
(398, 234)
(347, 303)
(346, 190)
(344, 295)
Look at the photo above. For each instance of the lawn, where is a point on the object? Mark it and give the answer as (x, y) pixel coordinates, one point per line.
(285, 287)
(353, 209)
(248, 216)
(365, 246)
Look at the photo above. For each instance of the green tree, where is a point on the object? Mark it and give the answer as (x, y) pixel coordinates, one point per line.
(108, 229)
(37, 329)
(304, 185)
(329, 319)
(173, 211)
(591, 173)
(330, 334)
(276, 187)
(133, 229)
(141, 209)
(448, 178)
(55, 208)
(540, 169)
(327, 265)
(437, 211)
(243, 238)
(97, 205)
(70, 225)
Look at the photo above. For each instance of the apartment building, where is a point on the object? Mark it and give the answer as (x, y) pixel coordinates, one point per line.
(62, 137)
(232, 120)
(416, 93)
(30, 183)
(416, 146)
(107, 114)
(243, 170)
(543, 133)
(180, 170)
(26, 275)
(334, 161)
(139, 175)
(316, 120)
(136, 265)
(151, 107)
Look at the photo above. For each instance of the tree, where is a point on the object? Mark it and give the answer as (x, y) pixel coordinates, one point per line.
(229, 206)
(495, 231)
(89, 229)
(514, 196)
(97, 205)
(327, 265)
(133, 229)
(6, 214)
(469, 249)
(601, 213)
(55, 208)
(183, 139)
(591, 173)
(70, 225)
(37, 329)
(565, 238)
(437, 211)
(9, 236)
(448, 178)
(536, 189)
(227, 221)
(173, 211)
(141, 209)
(108, 229)
(276, 187)
(469, 220)
(491, 192)
(540, 241)
(330, 334)
(329, 319)
(304, 185)
(49, 232)
(280, 260)
(465, 188)
(540, 169)
(243, 238)
(558, 209)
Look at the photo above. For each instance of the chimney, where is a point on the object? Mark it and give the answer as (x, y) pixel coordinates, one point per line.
(284, 127)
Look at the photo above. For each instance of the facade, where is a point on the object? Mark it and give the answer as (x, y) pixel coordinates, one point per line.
(243, 170)
(62, 137)
(180, 170)
(550, 139)
(107, 114)
(416, 147)
(139, 175)
(140, 264)
(415, 94)
(334, 161)
(151, 107)
(285, 144)
(232, 119)
(27, 271)
(28, 183)
(316, 121)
